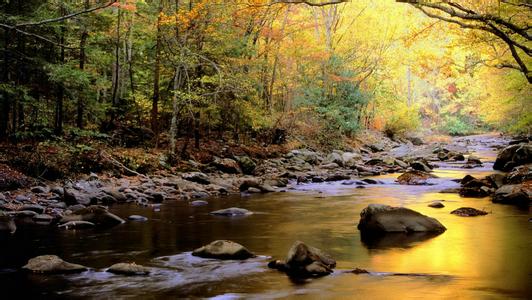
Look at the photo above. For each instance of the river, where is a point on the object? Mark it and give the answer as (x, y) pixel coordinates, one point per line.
(487, 257)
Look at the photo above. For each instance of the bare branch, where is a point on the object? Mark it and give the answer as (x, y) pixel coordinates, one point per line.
(65, 17)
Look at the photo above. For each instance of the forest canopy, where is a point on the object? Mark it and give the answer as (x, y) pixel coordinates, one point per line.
(319, 70)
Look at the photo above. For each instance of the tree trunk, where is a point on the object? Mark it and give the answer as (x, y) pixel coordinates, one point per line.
(116, 71)
(4, 114)
(156, 75)
(59, 111)
(82, 43)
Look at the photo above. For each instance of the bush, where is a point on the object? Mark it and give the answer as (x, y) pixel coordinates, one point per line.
(454, 125)
(402, 120)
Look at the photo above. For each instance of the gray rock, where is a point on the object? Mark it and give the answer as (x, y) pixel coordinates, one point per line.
(33, 207)
(305, 261)
(22, 199)
(52, 264)
(350, 159)
(57, 190)
(380, 218)
(222, 249)
(336, 158)
(253, 190)
(198, 177)
(23, 214)
(116, 194)
(512, 156)
(128, 269)
(232, 212)
(516, 194)
(39, 190)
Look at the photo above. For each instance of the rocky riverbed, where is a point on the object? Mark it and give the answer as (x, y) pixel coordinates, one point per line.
(83, 204)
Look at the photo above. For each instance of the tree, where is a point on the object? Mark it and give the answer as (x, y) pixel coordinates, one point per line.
(507, 20)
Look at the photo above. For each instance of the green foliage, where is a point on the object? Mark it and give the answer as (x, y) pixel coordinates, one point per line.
(402, 120)
(335, 97)
(455, 125)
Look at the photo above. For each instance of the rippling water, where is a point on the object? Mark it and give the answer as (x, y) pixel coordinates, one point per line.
(480, 257)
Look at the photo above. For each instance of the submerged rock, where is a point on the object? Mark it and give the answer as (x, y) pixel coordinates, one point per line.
(222, 249)
(305, 261)
(52, 264)
(232, 212)
(383, 218)
(137, 218)
(468, 212)
(436, 204)
(128, 269)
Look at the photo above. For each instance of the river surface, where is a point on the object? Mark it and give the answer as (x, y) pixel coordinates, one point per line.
(486, 257)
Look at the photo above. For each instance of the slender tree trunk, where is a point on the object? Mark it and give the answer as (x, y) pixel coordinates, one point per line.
(156, 75)
(4, 115)
(116, 71)
(82, 43)
(177, 79)
(60, 89)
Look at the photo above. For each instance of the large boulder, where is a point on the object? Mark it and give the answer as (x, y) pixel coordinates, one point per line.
(306, 155)
(415, 177)
(52, 264)
(305, 261)
(512, 156)
(381, 218)
(335, 157)
(350, 159)
(223, 249)
(246, 164)
(517, 194)
(96, 214)
(227, 165)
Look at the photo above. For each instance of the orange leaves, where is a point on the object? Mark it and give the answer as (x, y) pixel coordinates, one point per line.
(187, 18)
(129, 5)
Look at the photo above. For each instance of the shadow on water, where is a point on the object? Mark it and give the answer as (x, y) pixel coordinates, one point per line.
(395, 239)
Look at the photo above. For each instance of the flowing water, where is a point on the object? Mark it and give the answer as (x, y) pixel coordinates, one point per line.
(486, 257)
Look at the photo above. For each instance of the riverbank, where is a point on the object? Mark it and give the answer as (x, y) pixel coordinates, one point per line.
(51, 203)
